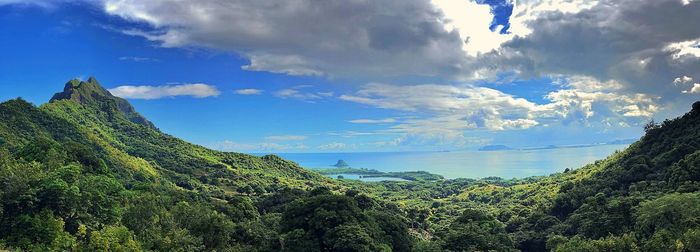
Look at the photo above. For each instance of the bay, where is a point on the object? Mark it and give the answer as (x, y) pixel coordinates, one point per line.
(464, 164)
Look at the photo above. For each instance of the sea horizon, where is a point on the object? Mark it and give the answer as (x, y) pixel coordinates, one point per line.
(514, 163)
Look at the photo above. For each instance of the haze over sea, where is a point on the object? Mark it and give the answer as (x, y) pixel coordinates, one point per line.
(464, 164)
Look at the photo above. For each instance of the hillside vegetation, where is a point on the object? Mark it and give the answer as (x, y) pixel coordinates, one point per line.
(86, 172)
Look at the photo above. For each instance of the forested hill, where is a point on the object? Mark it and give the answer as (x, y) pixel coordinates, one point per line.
(645, 198)
(86, 172)
(82, 160)
(87, 117)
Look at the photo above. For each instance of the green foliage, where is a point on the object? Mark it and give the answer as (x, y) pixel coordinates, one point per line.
(327, 221)
(476, 230)
(40, 231)
(87, 165)
(625, 243)
(675, 213)
(112, 238)
(86, 172)
(212, 227)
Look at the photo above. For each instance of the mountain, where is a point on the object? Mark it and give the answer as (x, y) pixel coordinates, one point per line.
(129, 144)
(645, 198)
(86, 172)
(92, 93)
(341, 164)
(102, 137)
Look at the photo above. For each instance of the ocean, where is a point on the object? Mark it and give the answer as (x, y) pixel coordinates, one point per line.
(464, 164)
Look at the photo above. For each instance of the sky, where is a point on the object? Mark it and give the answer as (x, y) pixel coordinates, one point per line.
(366, 76)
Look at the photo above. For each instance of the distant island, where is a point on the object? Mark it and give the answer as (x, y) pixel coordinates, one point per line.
(371, 173)
(500, 147)
(341, 164)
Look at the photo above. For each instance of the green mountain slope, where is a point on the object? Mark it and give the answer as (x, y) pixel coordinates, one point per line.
(645, 198)
(86, 172)
(133, 147)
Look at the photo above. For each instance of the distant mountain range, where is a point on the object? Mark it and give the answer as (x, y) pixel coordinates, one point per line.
(500, 147)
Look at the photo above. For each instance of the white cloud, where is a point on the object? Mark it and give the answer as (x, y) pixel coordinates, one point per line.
(573, 104)
(444, 113)
(581, 94)
(693, 90)
(248, 91)
(285, 138)
(198, 90)
(635, 43)
(471, 21)
(438, 98)
(685, 48)
(297, 92)
(374, 121)
(682, 80)
(288, 64)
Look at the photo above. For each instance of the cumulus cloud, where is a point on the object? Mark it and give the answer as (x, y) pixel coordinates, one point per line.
(248, 91)
(446, 112)
(467, 100)
(306, 37)
(285, 138)
(197, 90)
(695, 89)
(287, 64)
(472, 22)
(638, 44)
(680, 49)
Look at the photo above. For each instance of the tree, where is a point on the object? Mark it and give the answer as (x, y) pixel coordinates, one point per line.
(214, 228)
(651, 125)
(112, 238)
(476, 230)
(675, 212)
(352, 237)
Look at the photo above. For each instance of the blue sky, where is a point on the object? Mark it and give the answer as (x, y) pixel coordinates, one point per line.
(333, 78)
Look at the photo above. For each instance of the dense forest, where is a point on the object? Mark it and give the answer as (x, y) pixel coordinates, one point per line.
(86, 172)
